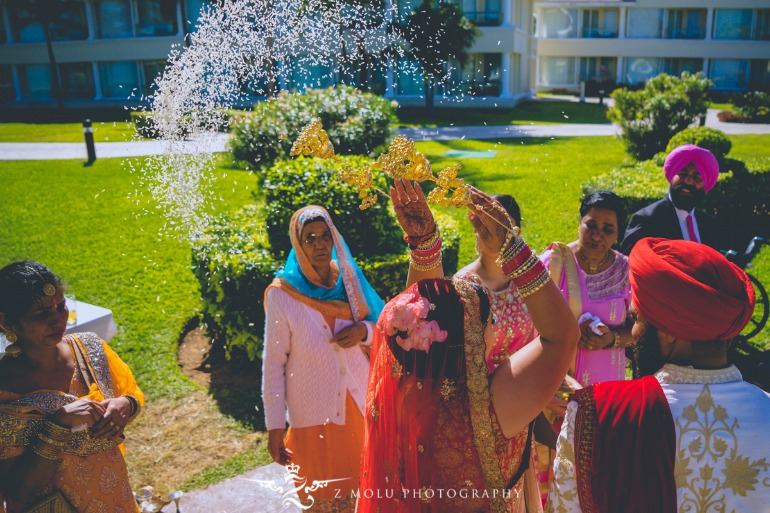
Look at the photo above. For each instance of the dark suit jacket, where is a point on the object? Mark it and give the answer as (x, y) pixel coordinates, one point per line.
(660, 220)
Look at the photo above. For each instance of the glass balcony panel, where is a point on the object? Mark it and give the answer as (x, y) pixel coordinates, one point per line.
(640, 69)
(557, 71)
(156, 18)
(113, 19)
(729, 74)
(645, 23)
(119, 79)
(732, 23)
(560, 23)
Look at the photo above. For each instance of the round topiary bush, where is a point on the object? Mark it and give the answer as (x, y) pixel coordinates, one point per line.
(357, 124)
(710, 138)
(293, 184)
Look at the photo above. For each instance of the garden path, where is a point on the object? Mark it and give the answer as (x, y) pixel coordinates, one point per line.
(218, 142)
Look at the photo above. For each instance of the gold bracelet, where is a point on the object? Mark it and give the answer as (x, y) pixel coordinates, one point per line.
(51, 441)
(525, 267)
(428, 244)
(535, 285)
(46, 451)
(55, 431)
(425, 267)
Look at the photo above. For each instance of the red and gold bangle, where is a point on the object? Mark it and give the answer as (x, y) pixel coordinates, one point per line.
(533, 286)
(422, 241)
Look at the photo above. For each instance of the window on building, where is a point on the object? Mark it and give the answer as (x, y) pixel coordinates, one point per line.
(156, 18)
(36, 81)
(113, 19)
(600, 23)
(732, 23)
(686, 24)
(676, 67)
(729, 73)
(762, 27)
(370, 77)
(640, 69)
(3, 33)
(68, 22)
(119, 79)
(409, 78)
(77, 80)
(645, 23)
(192, 13)
(598, 69)
(7, 91)
(482, 12)
(151, 70)
(405, 8)
(760, 75)
(479, 77)
(557, 71)
(307, 74)
(559, 23)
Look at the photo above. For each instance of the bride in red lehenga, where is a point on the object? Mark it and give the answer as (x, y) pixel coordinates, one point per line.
(444, 435)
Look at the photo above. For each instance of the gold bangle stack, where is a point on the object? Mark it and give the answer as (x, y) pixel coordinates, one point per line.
(511, 247)
(535, 285)
(50, 441)
(525, 267)
(430, 242)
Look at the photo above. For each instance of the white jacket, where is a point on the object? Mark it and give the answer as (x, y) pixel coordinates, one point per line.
(303, 371)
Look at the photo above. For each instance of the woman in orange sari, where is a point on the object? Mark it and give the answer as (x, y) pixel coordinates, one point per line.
(64, 403)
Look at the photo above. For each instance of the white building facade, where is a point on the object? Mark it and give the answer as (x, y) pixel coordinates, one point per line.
(629, 42)
(108, 49)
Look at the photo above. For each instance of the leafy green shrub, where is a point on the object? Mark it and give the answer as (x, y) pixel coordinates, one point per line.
(710, 138)
(651, 116)
(292, 184)
(234, 267)
(357, 124)
(753, 105)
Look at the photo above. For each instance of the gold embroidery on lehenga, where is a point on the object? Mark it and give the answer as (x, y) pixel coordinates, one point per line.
(479, 395)
(707, 442)
(564, 470)
(448, 389)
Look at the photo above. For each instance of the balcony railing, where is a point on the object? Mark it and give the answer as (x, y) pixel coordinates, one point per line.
(484, 18)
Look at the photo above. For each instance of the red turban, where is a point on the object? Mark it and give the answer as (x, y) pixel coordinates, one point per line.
(689, 290)
(705, 162)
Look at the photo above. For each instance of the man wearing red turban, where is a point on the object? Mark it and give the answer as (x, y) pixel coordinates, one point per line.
(692, 172)
(690, 435)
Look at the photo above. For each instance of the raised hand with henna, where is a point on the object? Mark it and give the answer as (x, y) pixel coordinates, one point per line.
(412, 210)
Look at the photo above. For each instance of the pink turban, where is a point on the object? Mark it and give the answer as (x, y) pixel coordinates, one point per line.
(689, 290)
(705, 162)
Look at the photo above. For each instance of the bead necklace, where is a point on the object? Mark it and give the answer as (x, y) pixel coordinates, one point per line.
(593, 267)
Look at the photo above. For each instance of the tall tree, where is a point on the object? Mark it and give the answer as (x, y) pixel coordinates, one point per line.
(437, 33)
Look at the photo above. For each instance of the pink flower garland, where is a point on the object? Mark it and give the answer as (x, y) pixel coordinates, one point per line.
(409, 316)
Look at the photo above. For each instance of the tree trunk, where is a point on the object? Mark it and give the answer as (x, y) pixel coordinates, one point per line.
(45, 21)
(428, 84)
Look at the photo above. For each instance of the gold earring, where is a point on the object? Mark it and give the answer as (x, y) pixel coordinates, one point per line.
(11, 337)
(13, 350)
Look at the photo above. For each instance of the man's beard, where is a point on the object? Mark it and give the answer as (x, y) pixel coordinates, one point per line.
(648, 358)
(684, 201)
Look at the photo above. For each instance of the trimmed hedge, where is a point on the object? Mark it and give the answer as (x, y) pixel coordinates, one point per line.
(234, 265)
(357, 124)
(292, 184)
(710, 138)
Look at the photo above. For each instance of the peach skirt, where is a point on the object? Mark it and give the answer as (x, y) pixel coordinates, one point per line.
(326, 453)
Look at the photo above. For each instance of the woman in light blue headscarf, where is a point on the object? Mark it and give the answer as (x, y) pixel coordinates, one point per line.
(320, 312)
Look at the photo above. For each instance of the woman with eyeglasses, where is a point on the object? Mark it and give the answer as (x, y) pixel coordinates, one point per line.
(320, 312)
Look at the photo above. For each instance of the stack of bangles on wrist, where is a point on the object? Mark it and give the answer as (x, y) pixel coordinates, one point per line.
(427, 254)
(134, 405)
(523, 267)
(50, 440)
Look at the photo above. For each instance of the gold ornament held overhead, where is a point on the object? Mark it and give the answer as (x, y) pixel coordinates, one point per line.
(313, 142)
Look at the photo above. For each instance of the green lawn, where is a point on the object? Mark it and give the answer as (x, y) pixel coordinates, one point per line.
(81, 222)
(109, 131)
(539, 111)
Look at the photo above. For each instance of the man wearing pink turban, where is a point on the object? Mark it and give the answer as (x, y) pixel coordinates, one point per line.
(690, 435)
(692, 172)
